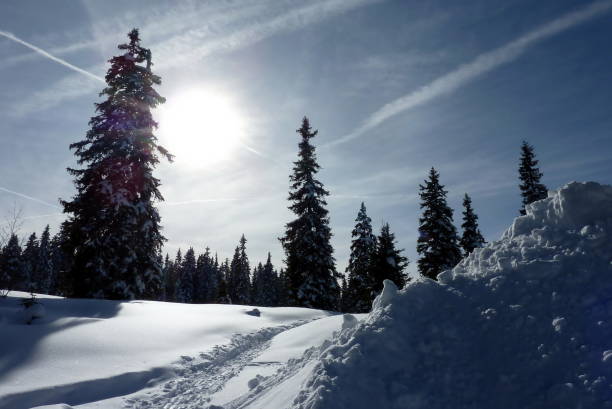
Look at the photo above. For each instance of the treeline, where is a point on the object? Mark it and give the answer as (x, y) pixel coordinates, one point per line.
(110, 245)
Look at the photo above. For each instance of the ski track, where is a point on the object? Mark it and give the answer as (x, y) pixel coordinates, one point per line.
(198, 378)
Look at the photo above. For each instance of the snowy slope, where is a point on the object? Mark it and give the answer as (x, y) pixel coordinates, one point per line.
(90, 350)
(524, 323)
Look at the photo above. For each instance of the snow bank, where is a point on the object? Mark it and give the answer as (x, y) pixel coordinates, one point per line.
(525, 322)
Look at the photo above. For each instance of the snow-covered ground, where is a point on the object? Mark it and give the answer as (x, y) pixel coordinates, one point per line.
(525, 322)
(86, 351)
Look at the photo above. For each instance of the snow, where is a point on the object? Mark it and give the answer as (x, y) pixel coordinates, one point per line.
(524, 322)
(88, 350)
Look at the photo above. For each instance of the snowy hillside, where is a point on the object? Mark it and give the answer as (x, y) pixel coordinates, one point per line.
(525, 322)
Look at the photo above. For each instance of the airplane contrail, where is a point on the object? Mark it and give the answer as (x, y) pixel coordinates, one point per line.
(29, 198)
(480, 65)
(50, 56)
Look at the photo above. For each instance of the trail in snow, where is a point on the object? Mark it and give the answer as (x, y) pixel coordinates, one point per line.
(198, 378)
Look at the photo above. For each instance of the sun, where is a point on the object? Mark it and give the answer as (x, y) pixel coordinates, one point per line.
(200, 127)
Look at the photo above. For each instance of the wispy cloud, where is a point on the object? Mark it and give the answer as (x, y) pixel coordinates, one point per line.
(50, 56)
(480, 65)
(190, 35)
(24, 196)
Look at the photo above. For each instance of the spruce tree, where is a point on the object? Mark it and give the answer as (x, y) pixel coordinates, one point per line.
(224, 275)
(345, 301)
(265, 284)
(239, 282)
(113, 226)
(387, 262)
(172, 275)
(61, 260)
(29, 261)
(309, 255)
(360, 278)
(213, 283)
(11, 266)
(438, 243)
(185, 287)
(43, 271)
(257, 286)
(471, 237)
(529, 174)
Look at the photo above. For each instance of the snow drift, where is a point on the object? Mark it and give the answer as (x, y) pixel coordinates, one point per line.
(525, 322)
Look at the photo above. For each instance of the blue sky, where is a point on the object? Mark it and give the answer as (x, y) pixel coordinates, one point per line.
(394, 87)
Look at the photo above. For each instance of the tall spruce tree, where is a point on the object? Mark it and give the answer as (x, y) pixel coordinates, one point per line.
(360, 278)
(471, 237)
(311, 270)
(529, 174)
(224, 275)
(438, 243)
(239, 283)
(113, 226)
(387, 262)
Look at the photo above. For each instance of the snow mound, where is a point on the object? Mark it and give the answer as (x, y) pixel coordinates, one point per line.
(525, 322)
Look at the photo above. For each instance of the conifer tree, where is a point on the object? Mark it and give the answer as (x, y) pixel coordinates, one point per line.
(11, 266)
(185, 288)
(310, 263)
(265, 284)
(204, 277)
(438, 243)
(113, 226)
(529, 174)
(172, 276)
(43, 271)
(213, 281)
(224, 275)
(257, 286)
(360, 278)
(345, 301)
(239, 282)
(29, 261)
(60, 284)
(471, 237)
(387, 262)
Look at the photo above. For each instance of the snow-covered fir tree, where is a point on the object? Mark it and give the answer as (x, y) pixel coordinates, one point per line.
(113, 226)
(310, 263)
(471, 237)
(529, 174)
(29, 261)
(387, 262)
(239, 282)
(12, 275)
(360, 279)
(185, 287)
(438, 244)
